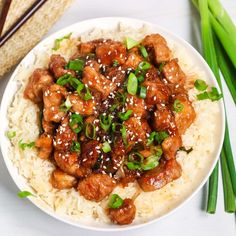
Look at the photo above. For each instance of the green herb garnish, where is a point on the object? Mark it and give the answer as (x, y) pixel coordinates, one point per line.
(105, 122)
(75, 146)
(125, 115)
(11, 134)
(115, 201)
(76, 123)
(132, 85)
(106, 147)
(58, 41)
(130, 43)
(24, 194)
(90, 131)
(77, 65)
(143, 92)
(65, 106)
(178, 106)
(143, 51)
(23, 146)
(200, 85)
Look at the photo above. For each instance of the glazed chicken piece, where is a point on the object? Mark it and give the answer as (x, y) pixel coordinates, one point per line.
(137, 105)
(117, 154)
(69, 163)
(96, 81)
(90, 152)
(61, 180)
(57, 66)
(133, 58)
(136, 131)
(157, 45)
(96, 187)
(173, 73)
(171, 145)
(163, 119)
(47, 126)
(157, 92)
(53, 97)
(93, 64)
(111, 51)
(64, 137)
(89, 47)
(38, 81)
(81, 106)
(116, 75)
(123, 215)
(185, 117)
(44, 143)
(161, 175)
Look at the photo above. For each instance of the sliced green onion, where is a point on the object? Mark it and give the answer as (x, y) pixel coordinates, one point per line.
(123, 134)
(136, 157)
(151, 162)
(63, 79)
(24, 194)
(90, 131)
(76, 123)
(125, 115)
(115, 201)
(200, 85)
(143, 51)
(140, 78)
(151, 138)
(105, 122)
(133, 166)
(77, 65)
(143, 92)
(75, 146)
(65, 106)
(213, 95)
(106, 147)
(178, 106)
(130, 43)
(58, 41)
(161, 136)
(115, 63)
(186, 150)
(132, 85)
(23, 146)
(11, 134)
(144, 65)
(87, 96)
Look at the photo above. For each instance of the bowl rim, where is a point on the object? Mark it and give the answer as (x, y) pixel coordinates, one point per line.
(91, 22)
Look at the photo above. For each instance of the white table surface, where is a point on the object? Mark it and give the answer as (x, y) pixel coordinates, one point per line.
(21, 217)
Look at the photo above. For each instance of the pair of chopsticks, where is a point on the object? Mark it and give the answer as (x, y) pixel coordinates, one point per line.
(32, 9)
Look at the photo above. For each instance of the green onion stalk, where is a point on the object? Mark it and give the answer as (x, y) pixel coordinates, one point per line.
(225, 31)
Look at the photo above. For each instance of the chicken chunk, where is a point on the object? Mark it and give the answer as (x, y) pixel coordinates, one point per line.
(81, 106)
(45, 145)
(186, 116)
(61, 180)
(52, 98)
(163, 119)
(157, 92)
(96, 187)
(116, 75)
(124, 214)
(98, 82)
(133, 58)
(38, 81)
(117, 154)
(90, 152)
(57, 66)
(69, 163)
(47, 126)
(157, 45)
(64, 137)
(86, 48)
(137, 131)
(171, 145)
(111, 51)
(173, 73)
(137, 105)
(161, 175)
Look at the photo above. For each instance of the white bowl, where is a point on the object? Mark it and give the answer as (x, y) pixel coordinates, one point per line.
(77, 29)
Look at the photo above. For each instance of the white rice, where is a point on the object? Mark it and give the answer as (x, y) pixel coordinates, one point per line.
(23, 119)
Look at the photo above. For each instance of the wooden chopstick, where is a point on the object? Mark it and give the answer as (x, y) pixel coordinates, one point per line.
(37, 4)
(5, 9)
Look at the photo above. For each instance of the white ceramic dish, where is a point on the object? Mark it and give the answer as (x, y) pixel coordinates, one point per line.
(77, 29)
